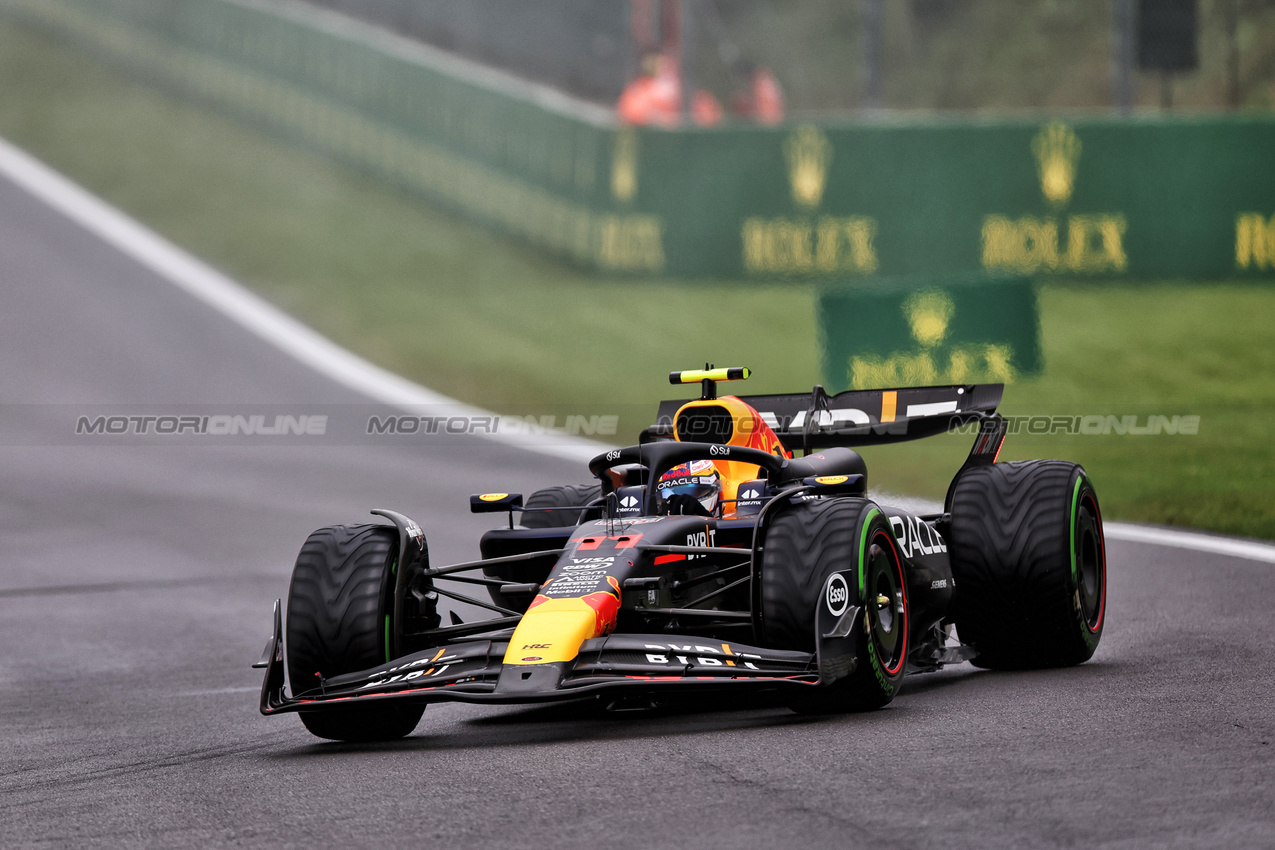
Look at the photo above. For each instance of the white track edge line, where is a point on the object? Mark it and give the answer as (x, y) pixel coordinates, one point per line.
(1196, 540)
(250, 311)
(348, 369)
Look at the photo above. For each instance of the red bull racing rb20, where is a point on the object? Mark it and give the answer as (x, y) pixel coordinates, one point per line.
(707, 559)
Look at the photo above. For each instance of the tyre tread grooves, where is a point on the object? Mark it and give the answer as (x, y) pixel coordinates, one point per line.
(1010, 553)
(334, 625)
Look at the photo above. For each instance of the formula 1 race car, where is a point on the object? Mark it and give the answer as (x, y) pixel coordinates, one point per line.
(707, 558)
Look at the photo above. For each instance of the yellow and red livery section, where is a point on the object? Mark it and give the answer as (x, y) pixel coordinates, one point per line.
(553, 629)
(748, 430)
(581, 600)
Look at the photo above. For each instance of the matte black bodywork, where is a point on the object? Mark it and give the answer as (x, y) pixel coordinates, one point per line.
(689, 617)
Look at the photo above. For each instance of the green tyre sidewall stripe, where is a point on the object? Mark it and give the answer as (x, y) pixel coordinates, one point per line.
(1075, 505)
(888, 686)
(1088, 634)
(872, 514)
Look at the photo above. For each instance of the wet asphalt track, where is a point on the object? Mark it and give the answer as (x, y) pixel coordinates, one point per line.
(135, 588)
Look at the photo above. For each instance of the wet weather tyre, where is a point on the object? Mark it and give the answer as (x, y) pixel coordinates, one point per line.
(1030, 566)
(558, 507)
(340, 603)
(803, 547)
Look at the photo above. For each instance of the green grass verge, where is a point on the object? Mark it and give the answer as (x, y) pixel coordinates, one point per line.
(1143, 350)
(491, 322)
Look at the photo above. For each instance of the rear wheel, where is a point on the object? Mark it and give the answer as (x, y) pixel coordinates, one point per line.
(804, 547)
(340, 605)
(557, 507)
(1030, 564)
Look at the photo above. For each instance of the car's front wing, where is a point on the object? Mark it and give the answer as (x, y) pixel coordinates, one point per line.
(620, 664)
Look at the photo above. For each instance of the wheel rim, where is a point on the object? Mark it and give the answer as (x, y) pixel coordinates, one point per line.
(1090, 565)
(886, 606)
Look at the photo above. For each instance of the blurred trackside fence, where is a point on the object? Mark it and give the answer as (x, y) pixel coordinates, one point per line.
(517, 156)
(892, 206)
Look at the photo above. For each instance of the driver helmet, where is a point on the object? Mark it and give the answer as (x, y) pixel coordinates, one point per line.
(697, 479)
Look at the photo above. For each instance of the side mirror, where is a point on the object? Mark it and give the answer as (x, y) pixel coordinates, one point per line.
(494, 503)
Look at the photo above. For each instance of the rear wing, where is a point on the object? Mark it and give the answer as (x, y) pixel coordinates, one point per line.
(815, 420)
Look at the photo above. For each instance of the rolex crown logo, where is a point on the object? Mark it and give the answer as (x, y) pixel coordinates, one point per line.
(1057, 151)
(929, 312)
(808, 152)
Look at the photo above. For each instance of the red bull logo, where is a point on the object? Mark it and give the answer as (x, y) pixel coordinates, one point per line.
(606, 605)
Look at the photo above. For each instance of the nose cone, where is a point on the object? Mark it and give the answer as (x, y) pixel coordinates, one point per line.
(553, 629)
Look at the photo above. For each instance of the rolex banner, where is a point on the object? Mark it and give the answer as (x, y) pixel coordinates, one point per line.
(899, 336)
(1095, 197)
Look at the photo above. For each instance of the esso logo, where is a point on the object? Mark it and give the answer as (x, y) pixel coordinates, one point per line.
(719, 451)
(614, 454)
(838, 595)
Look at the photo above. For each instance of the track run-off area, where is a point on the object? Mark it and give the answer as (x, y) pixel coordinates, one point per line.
(137, 576)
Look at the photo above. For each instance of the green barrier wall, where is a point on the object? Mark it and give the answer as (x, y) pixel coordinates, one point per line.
(513, 155)
(1116, 197)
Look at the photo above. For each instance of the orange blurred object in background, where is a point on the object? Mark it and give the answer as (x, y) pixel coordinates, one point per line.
(653, 98)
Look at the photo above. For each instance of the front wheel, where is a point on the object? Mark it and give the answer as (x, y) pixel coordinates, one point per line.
(804, 547)
(1030, 565)
(340, 606)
